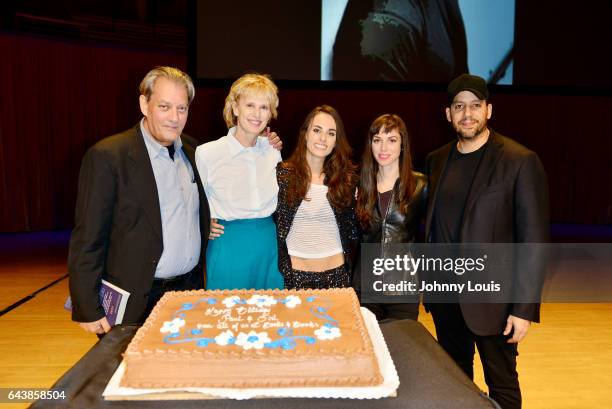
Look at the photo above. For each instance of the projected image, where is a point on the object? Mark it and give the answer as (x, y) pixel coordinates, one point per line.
(416, 41)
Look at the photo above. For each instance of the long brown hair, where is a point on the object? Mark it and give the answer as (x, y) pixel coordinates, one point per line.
(340, 171)
(368, 192)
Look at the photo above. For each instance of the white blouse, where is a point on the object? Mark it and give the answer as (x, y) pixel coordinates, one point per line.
(239, 181)
(314, 232)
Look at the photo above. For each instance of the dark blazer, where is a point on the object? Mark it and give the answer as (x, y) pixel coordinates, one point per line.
(118, 233)
(507, 203)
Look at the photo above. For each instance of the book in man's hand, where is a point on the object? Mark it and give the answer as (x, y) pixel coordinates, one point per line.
(114, 300)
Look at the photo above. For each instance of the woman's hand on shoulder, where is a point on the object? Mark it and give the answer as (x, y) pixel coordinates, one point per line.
(273, 139)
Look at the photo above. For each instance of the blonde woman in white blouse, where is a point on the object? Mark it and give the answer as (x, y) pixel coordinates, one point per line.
(239, 178)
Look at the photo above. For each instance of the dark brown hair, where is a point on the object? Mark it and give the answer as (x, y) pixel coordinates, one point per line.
(368, 192)
(340, 172)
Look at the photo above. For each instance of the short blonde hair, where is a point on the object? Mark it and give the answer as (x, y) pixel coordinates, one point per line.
(247, 84)
(171, 73)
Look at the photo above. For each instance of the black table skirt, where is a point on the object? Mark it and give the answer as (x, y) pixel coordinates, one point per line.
(428, 379)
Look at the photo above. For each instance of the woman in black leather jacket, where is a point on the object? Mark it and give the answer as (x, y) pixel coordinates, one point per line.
(391, 203)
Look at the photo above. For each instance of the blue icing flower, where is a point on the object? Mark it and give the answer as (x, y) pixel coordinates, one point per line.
(187, 306)
(229, 302)
(310, 340)
(261, 300)
(173, 326)
(328, 333)
(212, 301)
(321, 309)
(282, 331)
(196, 331)
(253, 339)
(310, 299)
(225, 338)
(203, 342)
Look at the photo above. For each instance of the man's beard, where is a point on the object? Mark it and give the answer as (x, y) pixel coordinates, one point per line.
(462, 135)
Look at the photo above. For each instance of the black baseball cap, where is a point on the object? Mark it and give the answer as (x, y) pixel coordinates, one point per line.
(466, 82)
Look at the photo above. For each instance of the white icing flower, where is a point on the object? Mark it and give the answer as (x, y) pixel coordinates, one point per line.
(224, 338)
(292, 301)
(172, 326)
(328, 332)
(231, 301)
(261, 300)
(252, 340)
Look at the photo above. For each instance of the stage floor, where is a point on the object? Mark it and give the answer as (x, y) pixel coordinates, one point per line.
(565, 362)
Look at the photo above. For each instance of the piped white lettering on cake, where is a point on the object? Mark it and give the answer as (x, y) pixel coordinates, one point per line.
(243, 323)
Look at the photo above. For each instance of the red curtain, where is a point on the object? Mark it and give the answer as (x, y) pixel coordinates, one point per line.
(59, 97)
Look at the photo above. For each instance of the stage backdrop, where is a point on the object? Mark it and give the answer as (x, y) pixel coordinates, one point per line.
(57, 98)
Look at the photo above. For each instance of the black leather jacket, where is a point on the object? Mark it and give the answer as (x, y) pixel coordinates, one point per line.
(396, 227)
(285, 213)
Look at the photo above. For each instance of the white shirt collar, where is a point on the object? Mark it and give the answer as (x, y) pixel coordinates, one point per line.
(236, 147)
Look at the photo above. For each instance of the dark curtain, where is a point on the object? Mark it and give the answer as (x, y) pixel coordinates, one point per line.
(57, 98)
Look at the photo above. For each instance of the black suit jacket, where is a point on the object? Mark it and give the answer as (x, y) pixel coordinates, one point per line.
(118, 232)
(507, 203)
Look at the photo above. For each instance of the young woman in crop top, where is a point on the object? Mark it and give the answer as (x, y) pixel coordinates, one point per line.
(316, 224)
(392, 201)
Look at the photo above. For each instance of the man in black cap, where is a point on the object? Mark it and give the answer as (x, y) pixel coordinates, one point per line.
(484, 188)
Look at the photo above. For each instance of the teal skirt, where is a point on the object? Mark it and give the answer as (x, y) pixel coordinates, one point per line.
(245, 256)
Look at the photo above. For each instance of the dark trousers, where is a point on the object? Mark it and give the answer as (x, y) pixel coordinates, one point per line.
(189, 281)
(497, 356)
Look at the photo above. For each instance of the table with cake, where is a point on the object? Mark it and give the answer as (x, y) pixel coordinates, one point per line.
(268, 348)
